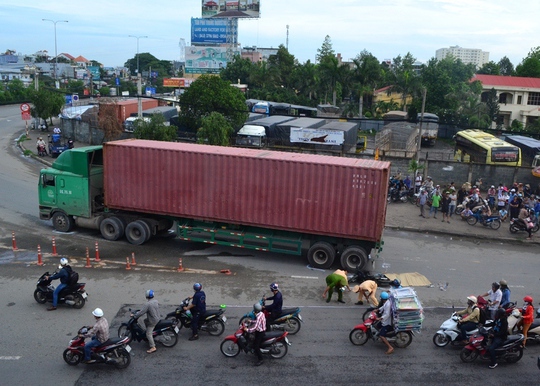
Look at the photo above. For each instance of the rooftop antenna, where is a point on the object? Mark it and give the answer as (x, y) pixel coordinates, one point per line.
(287, 42)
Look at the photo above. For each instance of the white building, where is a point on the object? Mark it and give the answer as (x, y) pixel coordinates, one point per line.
(467, 55)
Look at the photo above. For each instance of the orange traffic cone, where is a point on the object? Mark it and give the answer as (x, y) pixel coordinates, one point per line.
(180, 266)
(128, 267)
(133, 262)
(88, 265)
(97, 252)
(39, 257)
(14, 242)
(54, 247)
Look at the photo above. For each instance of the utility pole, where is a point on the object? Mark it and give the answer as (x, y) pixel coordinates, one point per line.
(419, 143)
(137, 37)
(55, 45)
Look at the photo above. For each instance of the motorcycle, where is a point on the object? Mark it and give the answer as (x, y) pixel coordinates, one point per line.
(165, 332)
(494, 222)
(517, 225)
(72, 295)
(361, 276)
(212, 322)
(370, 329)
(534, 330)
(397, 195)
(275, 343)
(511, 350)
(289, 320)
(42, 151)
(449, 332)
(113, 352)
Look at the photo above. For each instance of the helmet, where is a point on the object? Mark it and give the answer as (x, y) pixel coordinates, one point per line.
(98, 312)
(257, 307)
(428, 177)
(472, 298)
(197, 286)
(395, 283)
(149, 294)
(492, 186)
(477, 189)
(274, 286)
(500, 313)
(528, 299)
(63, 262)
(384, 295)
(496, 285)
(513, 190)
(503, 282)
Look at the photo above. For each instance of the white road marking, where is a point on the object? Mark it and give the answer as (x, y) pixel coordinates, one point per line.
(15, 358)
(305, 277)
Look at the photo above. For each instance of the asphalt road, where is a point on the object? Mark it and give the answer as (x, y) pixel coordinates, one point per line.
(33, 339)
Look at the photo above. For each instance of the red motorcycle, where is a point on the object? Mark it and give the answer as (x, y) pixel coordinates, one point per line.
(275, 343)
(370, 329)
(113, 352)
(511, 350)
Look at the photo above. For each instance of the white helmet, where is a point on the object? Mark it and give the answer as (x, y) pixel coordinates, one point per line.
(63, 262)
(98, 312)
(472, 299)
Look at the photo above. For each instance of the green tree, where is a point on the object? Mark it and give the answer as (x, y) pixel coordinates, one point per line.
(492, 104)
(46, 104)
(17, 91)
(238, 69)
(284, 63)
(490, 68)
(516, 126)
(530, 66)
(215, 130)
(367, 73)
(325, 50)
(208, 94)
(154, 129)
(506, 67)
(403, 78)
(306, 78)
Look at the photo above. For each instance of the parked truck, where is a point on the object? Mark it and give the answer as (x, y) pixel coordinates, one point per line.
(255, 133)
(322, 206)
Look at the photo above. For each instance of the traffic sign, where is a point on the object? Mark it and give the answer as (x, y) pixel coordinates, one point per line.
(25, 115)
(25, 107)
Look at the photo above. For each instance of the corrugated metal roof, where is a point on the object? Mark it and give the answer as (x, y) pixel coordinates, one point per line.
(507, 81)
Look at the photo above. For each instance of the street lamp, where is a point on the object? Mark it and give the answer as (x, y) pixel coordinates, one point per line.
(55, 49)
(137, 37)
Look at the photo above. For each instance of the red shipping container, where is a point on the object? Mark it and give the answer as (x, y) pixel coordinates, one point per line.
(316, 194)
(131, 106)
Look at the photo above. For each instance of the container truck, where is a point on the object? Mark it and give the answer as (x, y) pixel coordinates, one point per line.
(328, 208)
(255, 133)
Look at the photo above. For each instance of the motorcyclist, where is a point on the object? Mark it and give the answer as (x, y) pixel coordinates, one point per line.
(523, 218)
(471, 320)
(499, 334)
(99, 334)
(57, 130)
(40, 142)
(386, 321)
(274, 309)
(505, 300)
(198, 308)
(151, 309)
(63, 275)
(258, 327)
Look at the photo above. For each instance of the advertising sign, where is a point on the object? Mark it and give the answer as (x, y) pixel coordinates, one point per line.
(209, 31)
(231, 8)
(205, 60)
(177, 82)
(317, 136)
(94, 70)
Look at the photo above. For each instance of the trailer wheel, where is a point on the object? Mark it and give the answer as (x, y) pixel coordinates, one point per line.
(112, 228)
(321, 255)
(353, 258)
(62, 222)
(137, 232)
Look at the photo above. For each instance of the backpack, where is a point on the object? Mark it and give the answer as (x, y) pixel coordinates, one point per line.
(483, 315)
(73, 277)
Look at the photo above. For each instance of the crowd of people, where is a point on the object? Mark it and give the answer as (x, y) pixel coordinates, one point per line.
(506, 203)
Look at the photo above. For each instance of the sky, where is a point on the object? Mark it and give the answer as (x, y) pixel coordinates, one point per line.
(99, 30)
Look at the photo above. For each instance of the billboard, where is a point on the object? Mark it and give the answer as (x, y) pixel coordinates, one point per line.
(231, 8)
(205, 60)
(212, 31)
(177, 82)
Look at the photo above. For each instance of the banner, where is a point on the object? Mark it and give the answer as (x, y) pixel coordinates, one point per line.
(317, 136)
(205, 60)
(212, 31)
(231, 8)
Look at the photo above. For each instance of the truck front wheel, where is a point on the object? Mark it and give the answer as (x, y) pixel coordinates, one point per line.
(62, 222)
(112, 228)
(138, 232)
(321, 255)
(353, 257)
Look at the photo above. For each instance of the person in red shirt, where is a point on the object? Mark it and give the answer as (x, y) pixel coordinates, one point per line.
(258, 328)
(527, 313)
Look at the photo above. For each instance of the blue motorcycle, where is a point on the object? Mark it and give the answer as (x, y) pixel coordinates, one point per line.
(289, 320)
(494, 222)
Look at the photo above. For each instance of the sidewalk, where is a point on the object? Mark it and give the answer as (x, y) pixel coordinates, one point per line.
(405, 216)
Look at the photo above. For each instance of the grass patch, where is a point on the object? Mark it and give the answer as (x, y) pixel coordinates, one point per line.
(28, 153)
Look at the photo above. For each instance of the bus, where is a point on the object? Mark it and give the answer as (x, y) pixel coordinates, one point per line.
(484, 148)
(275, 108)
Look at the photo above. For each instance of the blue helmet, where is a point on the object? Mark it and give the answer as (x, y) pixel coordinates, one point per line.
(384, 295)
(197, 286)
(395, 283)
(149, 294)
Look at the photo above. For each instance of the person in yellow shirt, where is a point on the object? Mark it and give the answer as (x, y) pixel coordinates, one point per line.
(367, 289)
(471, 320)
